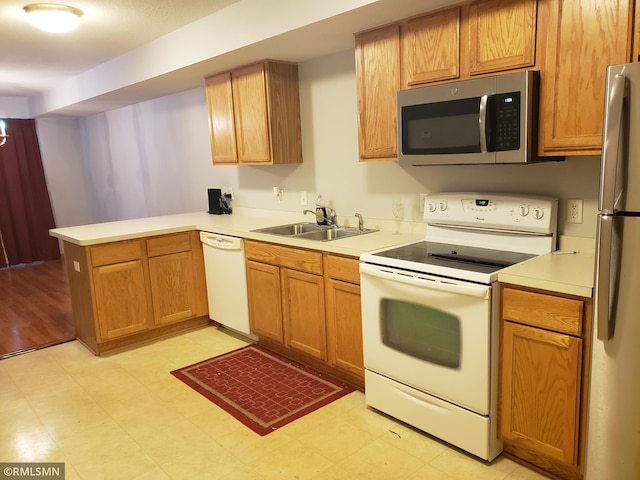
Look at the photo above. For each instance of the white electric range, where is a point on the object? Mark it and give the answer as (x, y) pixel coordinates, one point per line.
(430, 313)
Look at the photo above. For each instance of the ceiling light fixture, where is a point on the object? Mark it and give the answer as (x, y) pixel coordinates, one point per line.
(53, 18)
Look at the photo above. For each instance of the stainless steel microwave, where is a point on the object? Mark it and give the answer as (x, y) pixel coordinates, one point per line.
(485, 120)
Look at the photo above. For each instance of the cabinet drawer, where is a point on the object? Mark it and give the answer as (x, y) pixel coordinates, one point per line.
(343, 268)
(551, 312)
(294, 258)
(116, 253)
(167, 244)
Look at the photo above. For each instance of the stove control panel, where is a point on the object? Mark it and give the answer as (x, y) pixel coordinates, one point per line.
(535, 214)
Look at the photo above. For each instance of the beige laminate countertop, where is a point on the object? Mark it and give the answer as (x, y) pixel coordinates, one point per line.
(570, 273)
(239, 224)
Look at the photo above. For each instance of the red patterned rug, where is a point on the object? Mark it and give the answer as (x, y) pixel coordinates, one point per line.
(261, 389)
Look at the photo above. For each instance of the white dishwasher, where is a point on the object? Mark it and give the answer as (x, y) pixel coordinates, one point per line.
(226, 281)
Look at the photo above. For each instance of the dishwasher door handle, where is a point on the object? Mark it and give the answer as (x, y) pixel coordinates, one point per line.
(221, 242)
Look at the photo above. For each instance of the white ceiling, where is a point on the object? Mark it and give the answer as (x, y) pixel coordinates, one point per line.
(114, 58)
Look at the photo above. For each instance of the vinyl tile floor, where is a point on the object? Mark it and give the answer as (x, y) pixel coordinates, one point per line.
(124, 416)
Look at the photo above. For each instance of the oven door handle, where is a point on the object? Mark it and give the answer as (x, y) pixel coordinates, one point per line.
(422, 282)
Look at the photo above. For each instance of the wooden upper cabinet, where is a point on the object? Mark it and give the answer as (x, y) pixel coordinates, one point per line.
(221, 120)
(250, 112)
(378, 80)
(254, 114)
(502, 35)
(584, 36)
(431, 48)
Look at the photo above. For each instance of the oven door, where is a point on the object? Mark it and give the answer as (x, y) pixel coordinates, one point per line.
(428, 332)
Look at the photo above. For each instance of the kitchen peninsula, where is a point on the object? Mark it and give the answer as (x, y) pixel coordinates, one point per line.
(138, 280)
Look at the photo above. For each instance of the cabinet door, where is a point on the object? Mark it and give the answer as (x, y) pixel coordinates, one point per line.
(173, 288)
(250, 110)
(344, 326)
(378, 80)
(265, 304)
(502, 35)
(584, 37)
(221, 120)
(540, 390)
(304, 313)
(121, 301)
(431, 48)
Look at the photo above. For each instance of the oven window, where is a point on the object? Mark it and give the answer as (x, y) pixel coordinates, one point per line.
(421, 331)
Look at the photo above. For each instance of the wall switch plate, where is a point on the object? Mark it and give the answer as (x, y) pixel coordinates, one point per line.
(76, 265)
(303, 197)
(574, 211)
(423, 197)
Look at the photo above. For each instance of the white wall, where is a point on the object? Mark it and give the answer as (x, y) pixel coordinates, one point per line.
(154, 158)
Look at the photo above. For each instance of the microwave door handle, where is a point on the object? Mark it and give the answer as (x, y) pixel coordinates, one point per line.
(482, 123)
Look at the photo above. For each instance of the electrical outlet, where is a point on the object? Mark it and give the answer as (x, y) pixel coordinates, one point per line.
(423, 197)
(574, 211)
(303, 197)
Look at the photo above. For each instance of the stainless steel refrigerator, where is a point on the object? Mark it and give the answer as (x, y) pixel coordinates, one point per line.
(613, 428)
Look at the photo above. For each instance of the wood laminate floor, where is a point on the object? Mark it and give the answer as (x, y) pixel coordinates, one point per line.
(35, 307)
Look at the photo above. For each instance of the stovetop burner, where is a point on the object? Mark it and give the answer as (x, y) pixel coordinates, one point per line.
(419, 255)
(472, 236)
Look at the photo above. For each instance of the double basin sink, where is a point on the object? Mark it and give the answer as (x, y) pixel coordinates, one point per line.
(313, 231)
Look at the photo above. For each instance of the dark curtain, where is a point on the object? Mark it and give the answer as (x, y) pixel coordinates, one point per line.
(25, 209)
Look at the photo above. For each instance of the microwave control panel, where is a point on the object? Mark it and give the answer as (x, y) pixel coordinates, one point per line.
(505, 121)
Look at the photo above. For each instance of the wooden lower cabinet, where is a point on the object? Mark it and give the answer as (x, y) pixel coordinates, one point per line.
(544, 363)
(122, 303)
(305, 304)
(303, 313)
(128, 292)
(344, 314)
(265, 305)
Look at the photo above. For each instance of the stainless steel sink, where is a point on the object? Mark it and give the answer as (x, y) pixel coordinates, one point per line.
(290, 230)
(312, 231)
(333, 234)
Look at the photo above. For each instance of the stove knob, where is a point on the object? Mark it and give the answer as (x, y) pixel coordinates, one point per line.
(442, 205)
(538, 213)
(524, 210)
(431, 206)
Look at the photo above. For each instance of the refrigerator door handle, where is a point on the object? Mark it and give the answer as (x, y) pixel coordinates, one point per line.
(601, 307)
(613, 121)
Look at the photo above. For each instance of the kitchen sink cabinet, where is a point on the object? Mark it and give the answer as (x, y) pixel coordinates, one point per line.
(584, 36)
(128, 292)
(303, 313)
(254, 114)
(544, 371)
(305, 304)
(344, 315)
(286, 296)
